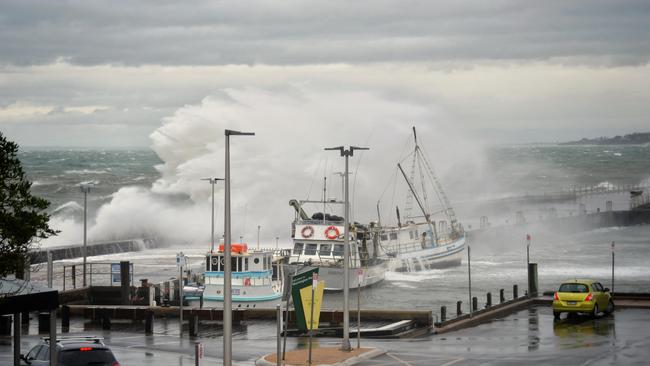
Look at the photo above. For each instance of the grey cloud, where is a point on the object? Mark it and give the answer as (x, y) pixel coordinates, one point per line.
(298, 32)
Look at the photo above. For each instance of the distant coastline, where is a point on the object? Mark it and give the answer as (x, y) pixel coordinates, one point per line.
(639, 138)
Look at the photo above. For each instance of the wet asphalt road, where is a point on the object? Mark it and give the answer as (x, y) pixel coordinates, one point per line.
(526, 337)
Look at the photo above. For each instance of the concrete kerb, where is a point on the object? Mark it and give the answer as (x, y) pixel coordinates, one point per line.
(372, 353)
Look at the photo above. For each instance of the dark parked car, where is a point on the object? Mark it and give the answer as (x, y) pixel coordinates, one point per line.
(72, 351)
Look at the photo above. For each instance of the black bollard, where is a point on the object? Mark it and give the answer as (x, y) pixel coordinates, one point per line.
(443, 314)
(5, 325)
(65, 318)
(106, 320)
(148, 322)
(474, 303)
(43, 322)
(515, 291)
(489, 300)
(194, 324)
(502, 296)
(459, 308)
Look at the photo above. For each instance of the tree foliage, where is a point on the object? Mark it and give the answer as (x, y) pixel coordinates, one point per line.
(23, 220)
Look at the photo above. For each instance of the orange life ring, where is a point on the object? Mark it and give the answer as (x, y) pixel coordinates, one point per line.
(307, 232)
(332, 232)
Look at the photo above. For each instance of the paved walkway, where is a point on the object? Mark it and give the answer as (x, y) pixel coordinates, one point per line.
(322, 356)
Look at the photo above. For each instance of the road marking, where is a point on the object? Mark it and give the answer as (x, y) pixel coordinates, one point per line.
(398, 359)
(453, 361)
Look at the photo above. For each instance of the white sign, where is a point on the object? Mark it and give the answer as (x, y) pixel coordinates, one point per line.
(181, 260)
(314, 280)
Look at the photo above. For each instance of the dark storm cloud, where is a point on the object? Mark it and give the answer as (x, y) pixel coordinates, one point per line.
(304, 32)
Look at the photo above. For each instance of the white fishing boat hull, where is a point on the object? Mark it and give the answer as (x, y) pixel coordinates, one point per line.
(443, 256)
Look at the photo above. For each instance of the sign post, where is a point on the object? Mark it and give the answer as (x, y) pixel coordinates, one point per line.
(180, 262)
(314, 284)
(359, 279)
(613, 246)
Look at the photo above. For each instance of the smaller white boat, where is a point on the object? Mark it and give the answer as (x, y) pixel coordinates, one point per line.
(257, 279)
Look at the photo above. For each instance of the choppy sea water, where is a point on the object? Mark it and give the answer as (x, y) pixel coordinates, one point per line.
(513, 171)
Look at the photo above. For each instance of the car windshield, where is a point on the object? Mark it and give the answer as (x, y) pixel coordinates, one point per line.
(94, 356)
(574, 287)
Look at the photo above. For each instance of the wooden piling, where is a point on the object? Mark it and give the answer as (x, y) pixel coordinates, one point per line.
(459, 308)
(148, 322)
(489, 300)
(515, 291)
(502, 296)
(443, 314)
(474, 303)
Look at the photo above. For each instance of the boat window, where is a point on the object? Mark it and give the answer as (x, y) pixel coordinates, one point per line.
(239, 264)
(233, 264)
(416, 233)
(338, 250)
(311, 249)
(256, 260)
(245, 264)
(325, 250)
(384, 237)
(393, 236)
(297, 248)
(410, 234)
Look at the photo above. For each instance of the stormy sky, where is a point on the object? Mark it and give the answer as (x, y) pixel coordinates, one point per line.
(98, 73)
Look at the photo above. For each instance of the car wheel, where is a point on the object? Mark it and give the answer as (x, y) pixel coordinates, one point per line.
(595, 312)
(610, 307)
(556, 315)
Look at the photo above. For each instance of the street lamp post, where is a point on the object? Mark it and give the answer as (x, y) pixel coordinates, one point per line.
(258, 236)
(227, 290)
(85, 188)
(277, 238)
(346, 252)
(212, 181)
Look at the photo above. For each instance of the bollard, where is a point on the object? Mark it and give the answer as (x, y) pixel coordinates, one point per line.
(474, 303)
(65, 318)
(194, 324)
(459, 309)
(515, 291)
(489, 300)
(106, 320)
(443, 314)
(43, 322)
(502, 296)
(5, 325)
(533, 283)
(148, 322)
(198, 354)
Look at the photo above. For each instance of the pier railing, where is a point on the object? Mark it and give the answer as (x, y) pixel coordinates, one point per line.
(98, 273)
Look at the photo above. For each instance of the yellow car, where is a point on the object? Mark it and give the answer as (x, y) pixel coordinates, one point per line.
(582, 296)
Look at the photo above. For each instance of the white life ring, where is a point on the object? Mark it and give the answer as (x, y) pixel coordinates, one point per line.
(307, 232)
(332, 232)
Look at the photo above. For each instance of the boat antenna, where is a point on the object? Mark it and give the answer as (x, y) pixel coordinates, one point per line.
(378, 215)
(399, 224)
(324, 196)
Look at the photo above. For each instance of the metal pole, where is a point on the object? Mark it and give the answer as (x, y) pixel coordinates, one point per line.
(359, 306)
(180, 289)
(278, 317)
(276, 241)
(258, 237)
(469, 274)
(227, 299)
(85, 243)
(227, 277)
(53, 350)
(346, 262)
(311, 322)
(613, 244)
(17, 330)
(50, 269)
(213, 181)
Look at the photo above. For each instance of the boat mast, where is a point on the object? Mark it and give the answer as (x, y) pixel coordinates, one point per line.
(417, 199)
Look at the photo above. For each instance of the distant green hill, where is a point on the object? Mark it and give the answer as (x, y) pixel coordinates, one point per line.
(639, 138)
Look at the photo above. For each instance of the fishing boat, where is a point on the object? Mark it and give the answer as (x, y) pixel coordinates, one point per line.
(256, 281)
(319, 241)
(430, 236)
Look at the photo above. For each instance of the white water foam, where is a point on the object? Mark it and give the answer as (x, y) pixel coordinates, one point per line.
(278, 164)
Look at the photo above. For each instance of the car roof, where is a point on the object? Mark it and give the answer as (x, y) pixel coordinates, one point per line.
(578, 280)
